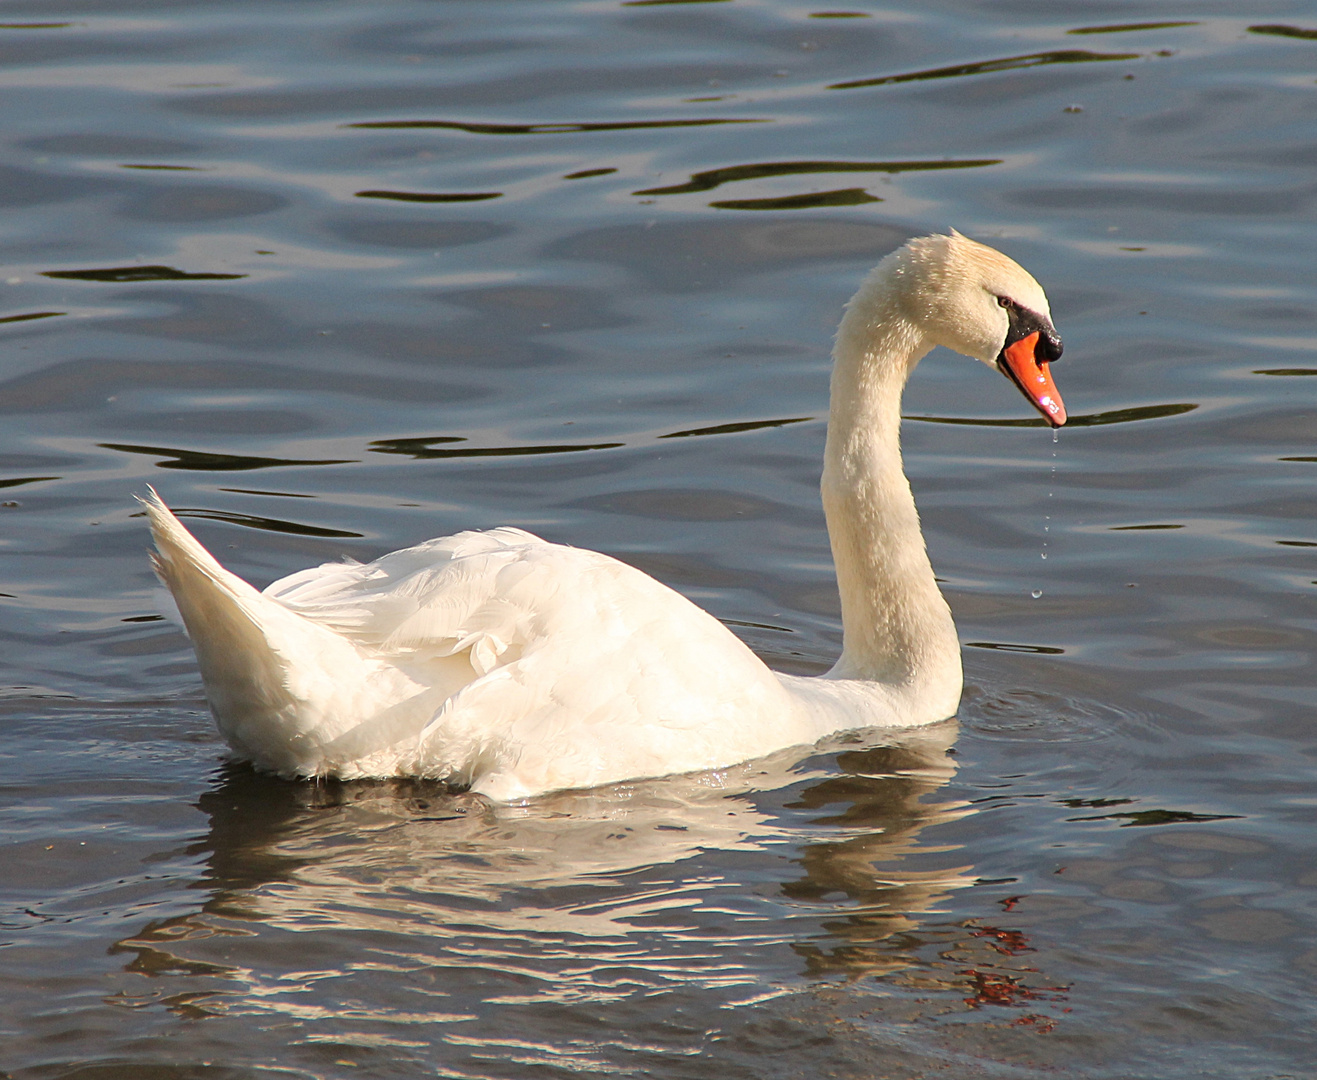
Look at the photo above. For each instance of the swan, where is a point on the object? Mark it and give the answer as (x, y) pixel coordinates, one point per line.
(512, 666)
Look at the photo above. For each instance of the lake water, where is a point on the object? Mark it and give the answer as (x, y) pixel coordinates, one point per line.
(336, 277)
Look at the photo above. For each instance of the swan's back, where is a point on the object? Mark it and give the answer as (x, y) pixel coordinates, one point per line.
(411, 601)
(494, 659)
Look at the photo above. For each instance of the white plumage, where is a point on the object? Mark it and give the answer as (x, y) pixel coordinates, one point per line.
(515, 666)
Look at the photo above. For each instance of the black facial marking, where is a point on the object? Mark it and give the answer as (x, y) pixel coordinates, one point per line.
(1024, 322)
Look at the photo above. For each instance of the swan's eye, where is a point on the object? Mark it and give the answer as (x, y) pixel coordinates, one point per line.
(1005, 301)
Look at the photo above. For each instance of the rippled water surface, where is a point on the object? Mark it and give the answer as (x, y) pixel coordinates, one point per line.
(336, 277)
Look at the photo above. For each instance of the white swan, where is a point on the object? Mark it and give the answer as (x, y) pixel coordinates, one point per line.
(516, 666)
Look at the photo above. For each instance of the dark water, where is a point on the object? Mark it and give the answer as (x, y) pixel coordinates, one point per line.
(336, 277)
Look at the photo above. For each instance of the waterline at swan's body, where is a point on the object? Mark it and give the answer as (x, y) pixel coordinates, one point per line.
(516, 666)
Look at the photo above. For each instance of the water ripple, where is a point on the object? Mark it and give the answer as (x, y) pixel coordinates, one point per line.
(986, 67)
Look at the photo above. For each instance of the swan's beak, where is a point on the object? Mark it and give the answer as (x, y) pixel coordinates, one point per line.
(1026, 363)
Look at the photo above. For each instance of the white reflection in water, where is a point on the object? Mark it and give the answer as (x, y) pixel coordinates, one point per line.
(720, 881)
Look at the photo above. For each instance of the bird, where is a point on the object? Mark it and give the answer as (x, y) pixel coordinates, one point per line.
(511, 666)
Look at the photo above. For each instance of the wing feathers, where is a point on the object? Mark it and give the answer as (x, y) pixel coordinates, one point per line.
(492, 658)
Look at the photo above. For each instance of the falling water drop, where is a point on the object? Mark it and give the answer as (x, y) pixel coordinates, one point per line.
(1047, 518)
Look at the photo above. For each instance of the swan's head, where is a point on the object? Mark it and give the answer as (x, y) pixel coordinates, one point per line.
(973, 299)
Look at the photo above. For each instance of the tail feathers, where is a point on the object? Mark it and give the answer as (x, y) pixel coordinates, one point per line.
(179, 558)
(269, 672)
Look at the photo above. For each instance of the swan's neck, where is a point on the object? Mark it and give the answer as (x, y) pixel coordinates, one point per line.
(897, 627)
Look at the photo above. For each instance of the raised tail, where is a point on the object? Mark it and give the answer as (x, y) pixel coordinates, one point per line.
(270, 674)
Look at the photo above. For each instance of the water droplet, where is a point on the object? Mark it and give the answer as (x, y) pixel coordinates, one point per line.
(1043, 554)
(1036, 593)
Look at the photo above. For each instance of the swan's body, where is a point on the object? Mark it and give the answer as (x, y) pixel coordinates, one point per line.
(516, 666)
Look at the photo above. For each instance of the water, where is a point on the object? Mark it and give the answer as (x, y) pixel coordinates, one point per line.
(336, 277)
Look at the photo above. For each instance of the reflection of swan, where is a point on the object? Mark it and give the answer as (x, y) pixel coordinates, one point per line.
(517, 666)
(399, 888)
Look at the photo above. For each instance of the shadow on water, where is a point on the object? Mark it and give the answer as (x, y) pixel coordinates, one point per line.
(425, 448)
(713, 178)
(135, 273)
(1126, 28)
(1112, 416)
(430, 197)
(203, 461)
(985, 67)
(1282, 30)
(808, 201)
(545, 129)
(266, 524)
(30, 315)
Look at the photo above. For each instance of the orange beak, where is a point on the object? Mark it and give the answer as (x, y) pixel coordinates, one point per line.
(1020, 361)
